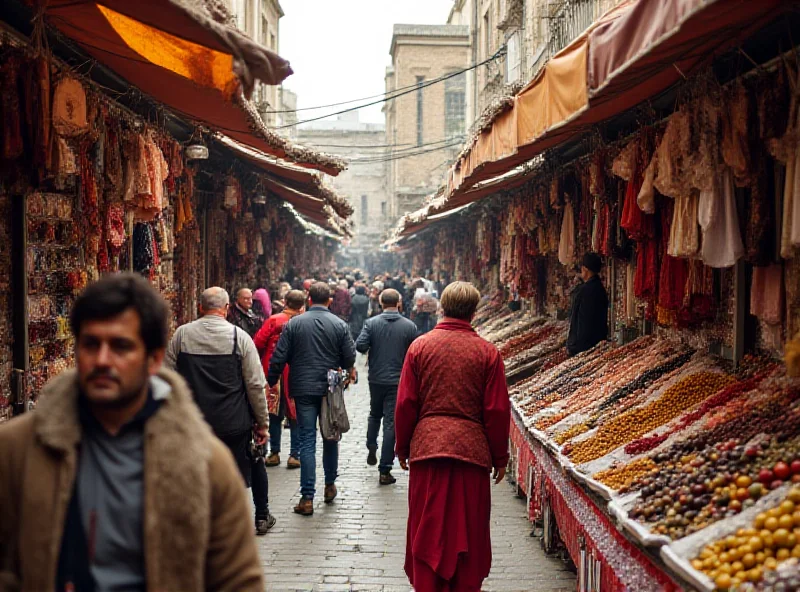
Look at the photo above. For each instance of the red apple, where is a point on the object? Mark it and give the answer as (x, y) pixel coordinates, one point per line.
(782, 470)
(795, 467)
(765, 476)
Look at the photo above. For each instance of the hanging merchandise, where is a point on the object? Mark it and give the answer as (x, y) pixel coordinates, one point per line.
(11, 106)
(684, 232)
(69, 108)
(722, 239)
(766, 294)
(566, 244)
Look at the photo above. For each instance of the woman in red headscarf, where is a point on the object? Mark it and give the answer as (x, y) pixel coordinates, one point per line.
(452, 423)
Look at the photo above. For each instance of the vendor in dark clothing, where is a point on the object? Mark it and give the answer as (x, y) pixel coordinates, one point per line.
(588, 324)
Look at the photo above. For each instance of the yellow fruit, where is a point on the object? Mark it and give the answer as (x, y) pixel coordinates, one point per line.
(783, 554)
(796, 551)
(760, 519)
(794, 495)
(754, 575)
(760, 557)
(723, 581)
(787, 507)
(774, 512)
(749, 560)
(786, 522)
(697, 564)
(770, 563)
(737, 566)
(781, 537)
(756, 544)
(771, 523)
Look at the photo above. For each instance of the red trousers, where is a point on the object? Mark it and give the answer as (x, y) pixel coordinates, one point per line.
(448, 546)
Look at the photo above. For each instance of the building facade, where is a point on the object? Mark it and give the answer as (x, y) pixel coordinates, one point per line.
(363, 145)
(525, 32)
(260, 20)
(426, 126)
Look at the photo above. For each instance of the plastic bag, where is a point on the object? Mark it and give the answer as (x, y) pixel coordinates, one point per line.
(333, 421)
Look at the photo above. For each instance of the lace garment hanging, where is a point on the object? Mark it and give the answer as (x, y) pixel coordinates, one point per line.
(684, 232)
(735, 148)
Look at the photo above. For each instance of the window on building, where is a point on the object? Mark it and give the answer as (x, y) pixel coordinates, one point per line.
(248, 18)
(455, 105)
(383, 209)
(364, 211)
(272, 44)
(420, 80)
(264, 30)
(487, 34)
(513, 59)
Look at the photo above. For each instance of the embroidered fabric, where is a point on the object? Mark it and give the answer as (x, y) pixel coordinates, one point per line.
(684, 232)
(735, 149)
(69, 108)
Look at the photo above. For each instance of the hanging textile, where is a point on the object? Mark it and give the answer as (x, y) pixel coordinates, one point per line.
(766, 294)
(684, 232)
(735, 141)
(69, 108)
(566, 244)
(722, 239)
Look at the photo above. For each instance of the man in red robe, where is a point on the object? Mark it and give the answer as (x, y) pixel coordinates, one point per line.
(279, 404)
(452, 422)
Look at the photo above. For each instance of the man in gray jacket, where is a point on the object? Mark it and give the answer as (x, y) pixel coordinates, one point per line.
(387, 338)
(313, 343)
(220, 363)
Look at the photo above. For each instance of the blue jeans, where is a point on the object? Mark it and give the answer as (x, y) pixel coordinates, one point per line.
(275, 432)
(382, 401)
(308, 411)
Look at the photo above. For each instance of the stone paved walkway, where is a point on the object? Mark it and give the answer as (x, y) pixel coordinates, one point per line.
(358, 543)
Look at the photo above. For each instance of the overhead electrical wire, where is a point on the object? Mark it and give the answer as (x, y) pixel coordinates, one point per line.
(497, 54)
(384, 99)
(392, 157)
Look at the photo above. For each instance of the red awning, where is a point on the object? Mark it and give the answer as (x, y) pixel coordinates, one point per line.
(634, 54)
(182, 58)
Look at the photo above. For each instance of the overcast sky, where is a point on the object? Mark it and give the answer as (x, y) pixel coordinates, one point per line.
(339, 49)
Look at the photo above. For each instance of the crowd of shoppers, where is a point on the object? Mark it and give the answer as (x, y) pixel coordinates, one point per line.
(129, 473)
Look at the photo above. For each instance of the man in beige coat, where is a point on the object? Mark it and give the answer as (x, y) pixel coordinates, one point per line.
(115, 480)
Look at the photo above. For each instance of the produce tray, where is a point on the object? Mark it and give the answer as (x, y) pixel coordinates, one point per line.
(639, 532)
(603, 491)
(685, 570)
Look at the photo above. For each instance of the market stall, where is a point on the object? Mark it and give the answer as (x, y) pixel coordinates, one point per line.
(666, 458)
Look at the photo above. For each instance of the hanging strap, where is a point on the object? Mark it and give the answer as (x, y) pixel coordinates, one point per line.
(235, 342)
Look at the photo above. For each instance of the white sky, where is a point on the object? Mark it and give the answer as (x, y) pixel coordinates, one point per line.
(339, 49)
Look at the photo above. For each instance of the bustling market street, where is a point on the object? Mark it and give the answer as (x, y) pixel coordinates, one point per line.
(358, 543)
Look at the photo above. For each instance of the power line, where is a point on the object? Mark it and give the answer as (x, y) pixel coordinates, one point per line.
(405, 146)
(415, 88)
(402, 88)
(390, 158)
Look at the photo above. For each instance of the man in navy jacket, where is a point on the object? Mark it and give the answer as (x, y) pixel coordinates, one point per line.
(312, 344)
(387, 338)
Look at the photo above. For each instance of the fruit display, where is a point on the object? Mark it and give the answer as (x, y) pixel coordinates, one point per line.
(773, 537)
(682, 441)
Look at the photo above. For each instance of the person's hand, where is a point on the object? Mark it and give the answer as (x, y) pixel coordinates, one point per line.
(353, 375)
(404, 464)
(260, 435)
(499, 475)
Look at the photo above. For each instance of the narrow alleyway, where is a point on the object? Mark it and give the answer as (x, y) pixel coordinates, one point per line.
(358, 543)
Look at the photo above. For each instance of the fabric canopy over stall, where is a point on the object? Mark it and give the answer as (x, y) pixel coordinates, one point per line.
(632, 53)
(300, 179)
(312, 208)
(197, 67)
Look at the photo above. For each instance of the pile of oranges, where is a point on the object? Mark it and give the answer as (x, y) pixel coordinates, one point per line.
(743, 557)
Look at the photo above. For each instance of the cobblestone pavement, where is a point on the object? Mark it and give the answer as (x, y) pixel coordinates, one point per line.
(358, 543)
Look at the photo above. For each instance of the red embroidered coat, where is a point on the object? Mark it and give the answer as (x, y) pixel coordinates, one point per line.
(452, 401)
(266, 339)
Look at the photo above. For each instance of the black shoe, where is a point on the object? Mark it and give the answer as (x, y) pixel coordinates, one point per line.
(263, 526)
(372, 457)
(387, 479)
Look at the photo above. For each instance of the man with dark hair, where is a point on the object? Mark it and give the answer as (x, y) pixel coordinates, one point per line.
(279, 403)
(221, 365)
(115, 481)
(241, 313)
(387, 338)
(588, 323)
(452, 422)
(312, 344)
